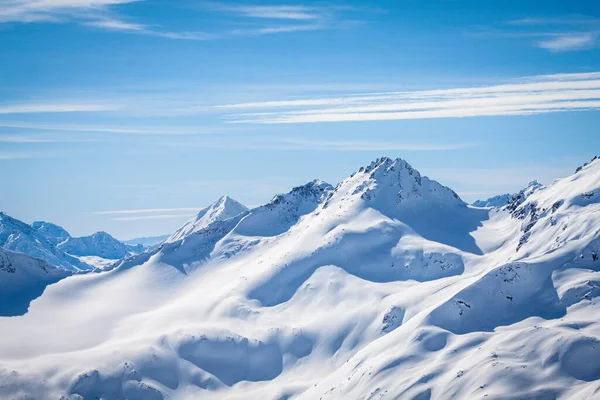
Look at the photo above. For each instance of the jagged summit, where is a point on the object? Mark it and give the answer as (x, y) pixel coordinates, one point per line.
(222, 209)
(390, 183)
(312, 191)
(595, 158)
(523, 194)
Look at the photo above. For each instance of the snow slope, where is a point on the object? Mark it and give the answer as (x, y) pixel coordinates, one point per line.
(386, 286)
(22, 279)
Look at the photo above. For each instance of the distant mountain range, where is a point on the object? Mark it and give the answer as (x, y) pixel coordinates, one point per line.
(147, 240)
(53, 244)
(503, 199)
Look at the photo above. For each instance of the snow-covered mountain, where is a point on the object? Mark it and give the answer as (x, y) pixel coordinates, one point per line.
(52, 243)
(147, 240)
(494, 201)
(386, 286)
(53, 233)
(99, 244)
(284, 210)
(22, 279)
(220, 210)
(503, 199)
(18, 236)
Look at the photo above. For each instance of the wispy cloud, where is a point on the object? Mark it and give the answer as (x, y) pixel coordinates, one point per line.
(117, 25)
(125, 129)
(536, 95)
(569, 42)
(99, 14)
(42, 139)
(272, 19)
(285, 12)
(113, 24)
(29, 108)
(310, 144)
(556, 34)
(105, 15)
(277, 29)
(150, 217)
(145, 211)
(564, 20)
(358, 145)
(580, 76)
(51, 10)
(20, 155)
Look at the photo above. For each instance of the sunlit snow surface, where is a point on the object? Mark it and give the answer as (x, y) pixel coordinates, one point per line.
(386, 287)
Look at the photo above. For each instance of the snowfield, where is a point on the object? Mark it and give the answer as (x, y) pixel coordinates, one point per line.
(387, 286)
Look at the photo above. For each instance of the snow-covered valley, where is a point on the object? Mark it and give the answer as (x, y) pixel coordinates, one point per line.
(387, 286)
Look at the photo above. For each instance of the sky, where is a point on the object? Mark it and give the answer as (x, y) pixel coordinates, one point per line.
(129, 116)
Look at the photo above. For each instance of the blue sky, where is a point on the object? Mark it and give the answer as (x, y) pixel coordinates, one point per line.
(127, 116)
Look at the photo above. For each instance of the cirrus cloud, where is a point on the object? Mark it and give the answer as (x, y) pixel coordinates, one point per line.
(535, 95)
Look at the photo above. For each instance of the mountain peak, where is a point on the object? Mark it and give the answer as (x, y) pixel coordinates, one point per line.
(54, 233)
(313, 191)
(225, 207)
(100, 244)
(384, 163)
(387, 183)
(224, 199)
(222, 209)
(518, 198)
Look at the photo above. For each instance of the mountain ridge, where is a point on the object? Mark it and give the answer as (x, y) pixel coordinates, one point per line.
(388, 285)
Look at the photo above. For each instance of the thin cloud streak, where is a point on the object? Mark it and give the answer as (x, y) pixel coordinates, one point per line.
(560, 34)
(48, 10)
(568, 77)
(16, 155)
(150, 217)
(537, 95)
(34, 108)
(37, 139)
(145, 211)
(133, 130)
(273, 19)
(102, 14)
(348, 145)
(570, 42)
(299, 13)
(112, 24)
(91, 13)
(296, 144)
(277, 29)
